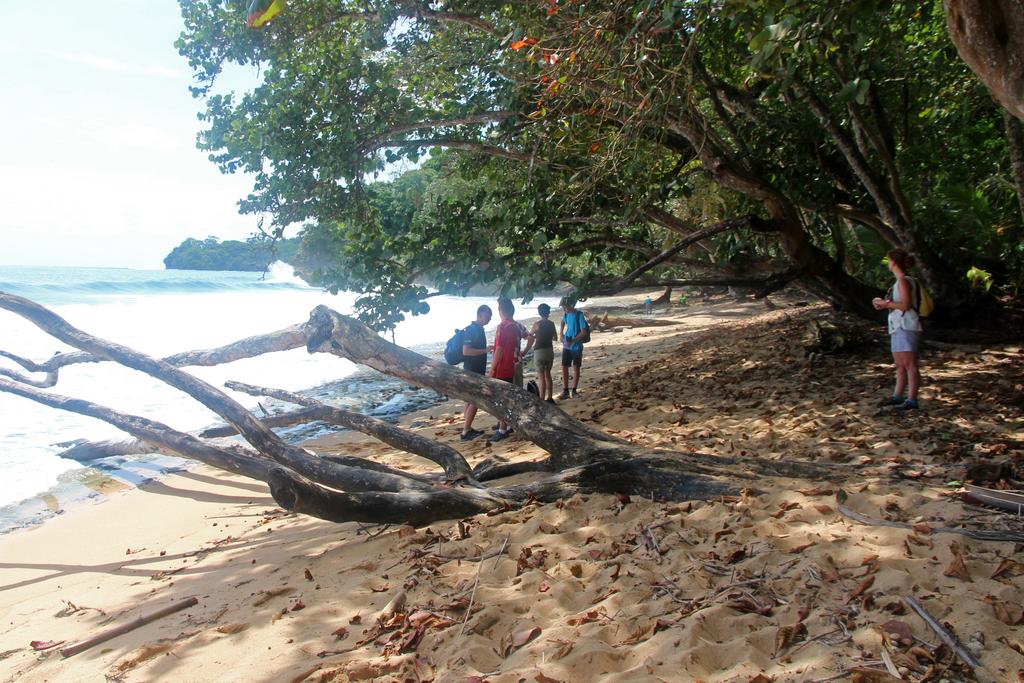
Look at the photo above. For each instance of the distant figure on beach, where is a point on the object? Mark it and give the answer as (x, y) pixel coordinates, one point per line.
(474, 349)
(541, 340)
(647, 305)
(506, 354)
(570, 331)
(904, 330)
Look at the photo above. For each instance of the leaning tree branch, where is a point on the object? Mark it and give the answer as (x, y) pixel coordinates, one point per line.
(473, 146)
(233, 459)
(421, 12)
(430, 124)
(250, 347)
(630, 279)
(454, 465)
(569, 441)
(261, 437)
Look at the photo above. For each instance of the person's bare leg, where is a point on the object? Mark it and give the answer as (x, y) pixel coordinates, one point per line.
(901, 373)
(575, 377)
(551, 385)
(467, 417)
(565, 379)
(913, 373)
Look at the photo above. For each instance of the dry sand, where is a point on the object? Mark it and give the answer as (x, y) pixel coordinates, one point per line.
(772, 586)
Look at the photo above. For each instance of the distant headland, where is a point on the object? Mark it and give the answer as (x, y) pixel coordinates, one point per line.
(213, 254)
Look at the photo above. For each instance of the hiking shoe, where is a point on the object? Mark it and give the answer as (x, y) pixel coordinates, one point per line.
(549, 400)
(891, 401)
(498, 436)
(497, 428)
(470, 435)
(575, 394)
(564, 395)
(909, 404)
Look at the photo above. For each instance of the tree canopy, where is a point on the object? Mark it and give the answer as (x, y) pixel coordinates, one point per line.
(610, 143)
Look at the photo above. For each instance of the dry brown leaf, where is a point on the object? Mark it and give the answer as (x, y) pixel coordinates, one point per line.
(861, 587)
(824, 509)
(898, 632)
(957, 568)
(541, 678)
(1008, 568)
(591, 616)
(543, 587)
(576, 570)
(340, 633)
(761, 678)
(229, 629)
(308, 574)
(760, 606)
(1009, 613)
(144, 654)
(265, 596)
(922, 653)
(800, 548)
(1013, 643)
(44, 644)
(861, 674)
(517, 639)
(922, 528)
(816, 491)
(787, 635)
(562, 649)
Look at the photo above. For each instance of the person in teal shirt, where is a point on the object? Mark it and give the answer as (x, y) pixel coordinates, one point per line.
(570, 330)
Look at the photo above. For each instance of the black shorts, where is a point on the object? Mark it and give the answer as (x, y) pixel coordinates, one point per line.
(570, 357)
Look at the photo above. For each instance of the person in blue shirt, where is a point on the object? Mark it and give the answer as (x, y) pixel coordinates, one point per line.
(570, 330)
(474, 350)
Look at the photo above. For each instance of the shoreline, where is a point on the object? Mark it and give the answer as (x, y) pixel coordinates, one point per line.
(580, 592)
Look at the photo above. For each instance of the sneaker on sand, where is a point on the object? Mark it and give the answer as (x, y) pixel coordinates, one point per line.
(470, 435)
(575, 394)
(891, 401)
(564, 395)
(550, 400)
(909, 404)
(498, 436)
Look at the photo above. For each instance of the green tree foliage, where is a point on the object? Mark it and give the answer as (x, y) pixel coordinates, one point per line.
(576, 141)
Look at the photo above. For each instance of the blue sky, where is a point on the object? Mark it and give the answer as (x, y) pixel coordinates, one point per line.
(98, 165)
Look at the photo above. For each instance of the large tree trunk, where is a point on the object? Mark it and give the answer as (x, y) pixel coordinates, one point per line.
(989, 35)
(348, 488)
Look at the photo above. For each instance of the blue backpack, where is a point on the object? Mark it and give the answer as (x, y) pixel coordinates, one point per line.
(453, 349)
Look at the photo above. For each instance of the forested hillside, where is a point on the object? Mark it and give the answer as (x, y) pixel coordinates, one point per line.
(213, 254)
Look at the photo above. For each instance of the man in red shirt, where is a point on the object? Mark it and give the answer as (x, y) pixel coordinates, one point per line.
(506, 354)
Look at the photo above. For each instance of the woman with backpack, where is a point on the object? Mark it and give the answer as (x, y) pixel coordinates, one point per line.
(904, 330)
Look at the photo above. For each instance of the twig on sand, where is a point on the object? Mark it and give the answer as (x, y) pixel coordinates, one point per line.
(948, 639)
(106, 635)
(472, 596)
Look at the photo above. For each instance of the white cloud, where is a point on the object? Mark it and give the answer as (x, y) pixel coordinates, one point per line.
(108, 64)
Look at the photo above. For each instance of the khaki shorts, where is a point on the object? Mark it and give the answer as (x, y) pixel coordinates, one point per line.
(543, 359)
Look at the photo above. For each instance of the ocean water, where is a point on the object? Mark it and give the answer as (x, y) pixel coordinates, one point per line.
(165, 312)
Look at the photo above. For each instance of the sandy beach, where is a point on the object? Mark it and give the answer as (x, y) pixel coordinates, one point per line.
(774, 585)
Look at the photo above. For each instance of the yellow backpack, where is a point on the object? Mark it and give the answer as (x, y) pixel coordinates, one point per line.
(925, 303)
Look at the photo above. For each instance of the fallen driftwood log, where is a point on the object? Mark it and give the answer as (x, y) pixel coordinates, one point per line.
(1012, 501)
(607, 322)
(104, 636)
(969, 533)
